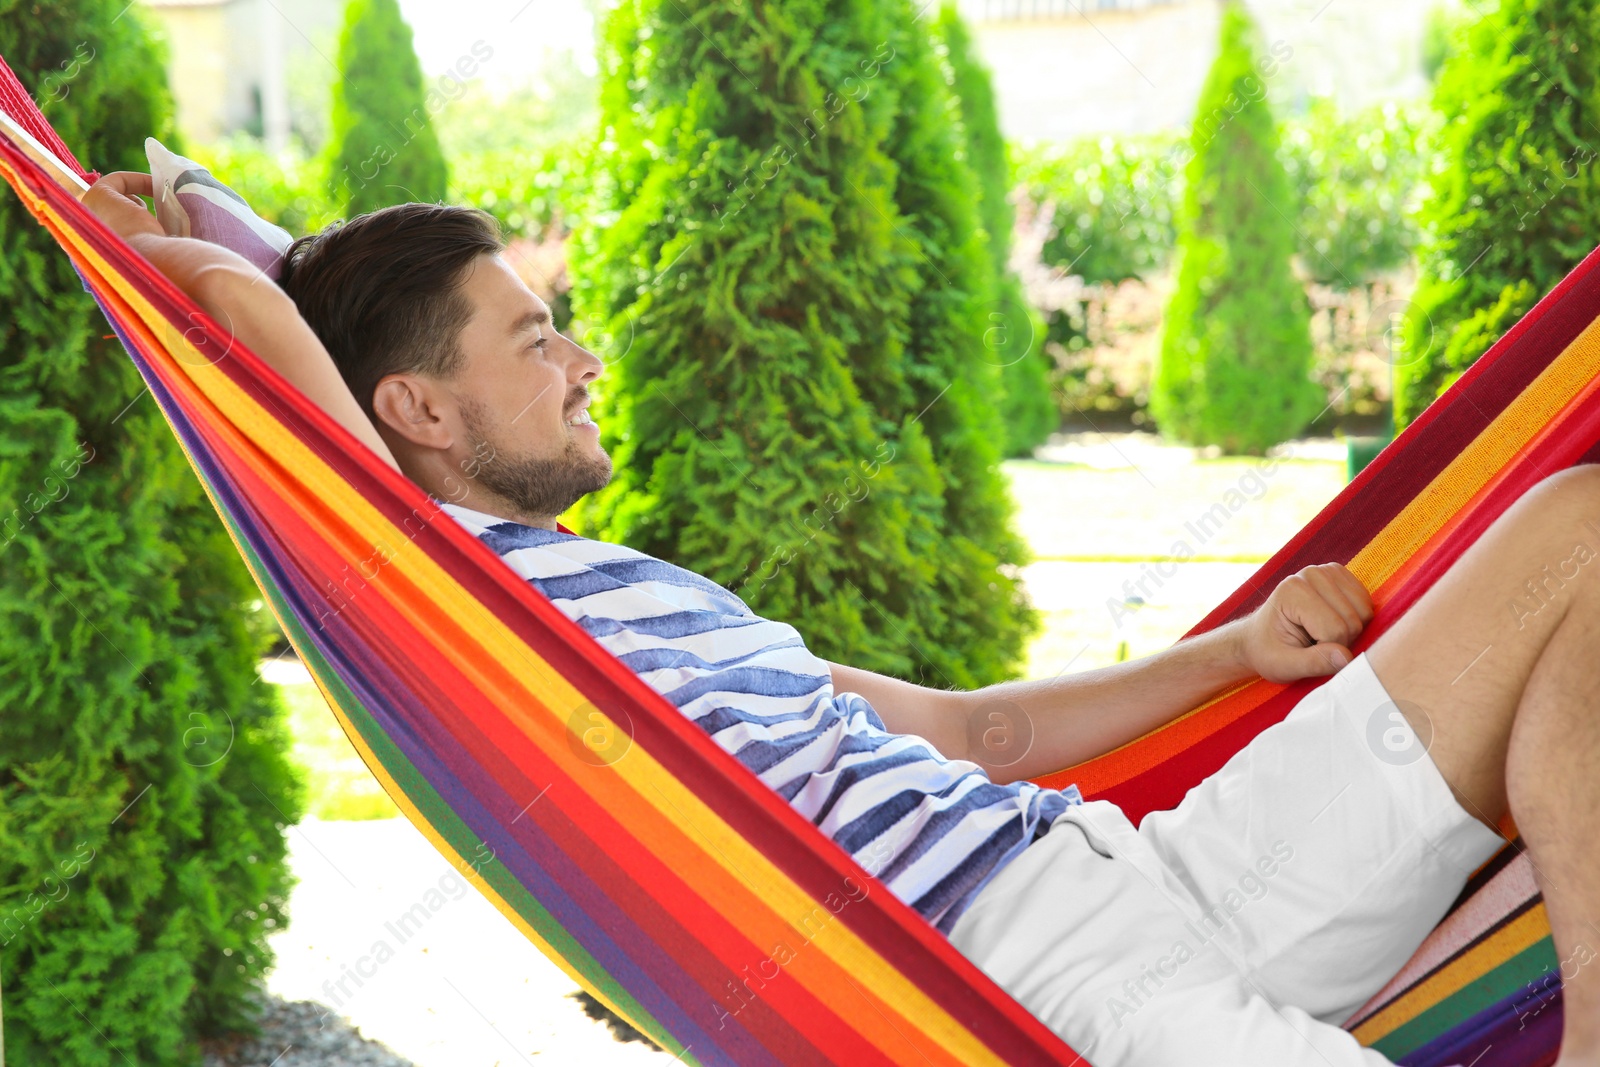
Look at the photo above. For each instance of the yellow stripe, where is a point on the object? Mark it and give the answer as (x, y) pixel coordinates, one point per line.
(1571, 373)
(469, 871)
(775, 906)
(1526, 930)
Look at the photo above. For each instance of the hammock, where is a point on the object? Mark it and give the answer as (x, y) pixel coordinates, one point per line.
(661, 874)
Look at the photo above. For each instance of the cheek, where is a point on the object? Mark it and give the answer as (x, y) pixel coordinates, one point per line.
(535, 414)
(533, 398)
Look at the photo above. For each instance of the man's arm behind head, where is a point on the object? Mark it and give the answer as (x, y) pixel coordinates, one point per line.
(251, 309)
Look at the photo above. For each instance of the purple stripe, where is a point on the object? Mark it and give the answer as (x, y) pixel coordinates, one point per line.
(1496, 1037)
(553, 879)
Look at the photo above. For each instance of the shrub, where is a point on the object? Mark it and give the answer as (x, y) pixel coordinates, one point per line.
(143, 786)
(1512, 201)
(533, 192)
(1355, 179)
(773, 414)
(1235, 361)
(1014, 339)
(1107, 203)
(286, 188)
(948, 366)
(383, 149)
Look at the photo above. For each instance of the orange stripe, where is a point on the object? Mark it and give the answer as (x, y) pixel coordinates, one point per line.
(459, 629)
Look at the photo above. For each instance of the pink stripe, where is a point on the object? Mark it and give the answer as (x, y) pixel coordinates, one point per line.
(1504, 893)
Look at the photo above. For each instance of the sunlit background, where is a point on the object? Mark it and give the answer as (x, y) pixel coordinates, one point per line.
(1133, 535)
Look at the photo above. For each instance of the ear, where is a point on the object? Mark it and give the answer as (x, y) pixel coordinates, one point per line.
(416, 410)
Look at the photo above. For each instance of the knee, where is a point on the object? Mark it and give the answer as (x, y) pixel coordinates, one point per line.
(1573, 492)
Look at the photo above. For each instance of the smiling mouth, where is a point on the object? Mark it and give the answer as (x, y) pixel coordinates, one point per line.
(581, 419)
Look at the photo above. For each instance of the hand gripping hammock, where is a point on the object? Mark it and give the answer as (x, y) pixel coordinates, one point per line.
(659, 880)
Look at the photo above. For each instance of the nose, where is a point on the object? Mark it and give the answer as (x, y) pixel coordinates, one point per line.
(585, 365)
(589, 365)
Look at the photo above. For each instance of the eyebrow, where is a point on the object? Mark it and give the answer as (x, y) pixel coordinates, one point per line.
(528, 321)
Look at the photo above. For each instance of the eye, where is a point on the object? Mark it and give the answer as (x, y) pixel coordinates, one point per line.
(540, 342)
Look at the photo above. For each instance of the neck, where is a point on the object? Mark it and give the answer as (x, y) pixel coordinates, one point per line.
(479, 499)
(446, 484)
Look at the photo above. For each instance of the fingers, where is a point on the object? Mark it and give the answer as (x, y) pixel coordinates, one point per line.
(129, 183)
(1331, 595)
(1359, 596)
(1344, 599)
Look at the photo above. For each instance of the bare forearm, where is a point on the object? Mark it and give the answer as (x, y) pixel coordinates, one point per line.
(1063, 721)
(255, 313)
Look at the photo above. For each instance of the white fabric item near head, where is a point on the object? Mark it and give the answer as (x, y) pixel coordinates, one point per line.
(190, 202)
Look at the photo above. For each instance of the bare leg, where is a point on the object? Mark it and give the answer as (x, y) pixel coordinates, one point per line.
(1499, 665)
(1551, 771)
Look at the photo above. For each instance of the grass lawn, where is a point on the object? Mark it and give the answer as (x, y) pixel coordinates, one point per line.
(338, 784)
(1135, 541)
(1101, 514)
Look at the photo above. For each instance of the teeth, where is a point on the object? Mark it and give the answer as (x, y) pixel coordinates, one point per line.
(580, 419)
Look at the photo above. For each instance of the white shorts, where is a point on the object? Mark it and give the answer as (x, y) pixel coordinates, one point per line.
(1244, 925)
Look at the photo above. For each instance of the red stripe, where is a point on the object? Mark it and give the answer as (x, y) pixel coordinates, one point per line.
(1429, 444)
(17, 103)
(906, 940)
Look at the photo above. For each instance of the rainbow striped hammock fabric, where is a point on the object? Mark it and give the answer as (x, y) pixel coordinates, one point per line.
(661, 874)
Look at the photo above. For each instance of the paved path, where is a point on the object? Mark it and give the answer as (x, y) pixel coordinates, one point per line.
(461, 988)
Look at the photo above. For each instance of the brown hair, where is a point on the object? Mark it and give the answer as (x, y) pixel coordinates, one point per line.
(383, 290)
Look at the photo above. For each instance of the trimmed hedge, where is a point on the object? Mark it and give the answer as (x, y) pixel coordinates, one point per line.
(1515, 197)
(1234, 367)
(1014, 333)
(143, 786)
(785, 255)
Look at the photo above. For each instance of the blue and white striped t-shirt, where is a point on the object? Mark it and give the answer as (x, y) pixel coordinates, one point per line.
(933, 830)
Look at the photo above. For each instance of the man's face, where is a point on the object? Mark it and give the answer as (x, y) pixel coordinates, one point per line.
(523, 397)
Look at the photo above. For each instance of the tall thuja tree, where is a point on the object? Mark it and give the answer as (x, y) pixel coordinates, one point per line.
(383, 149)
(1515, 203)
(1014, 332)
(752, 281)
(143, 783)
(951, 372)
(1234, 367)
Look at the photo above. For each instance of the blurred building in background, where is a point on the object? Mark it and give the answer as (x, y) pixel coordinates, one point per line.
(233, 63)
(268, 66)
(1064, 68)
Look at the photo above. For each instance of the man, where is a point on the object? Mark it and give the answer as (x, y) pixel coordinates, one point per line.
(1239, 928)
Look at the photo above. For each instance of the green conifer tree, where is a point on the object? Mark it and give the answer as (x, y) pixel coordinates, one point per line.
(1517, 203)
(776, 419)
(1014, 337)
(143, 784)
(1234, 367)
(383, 149)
